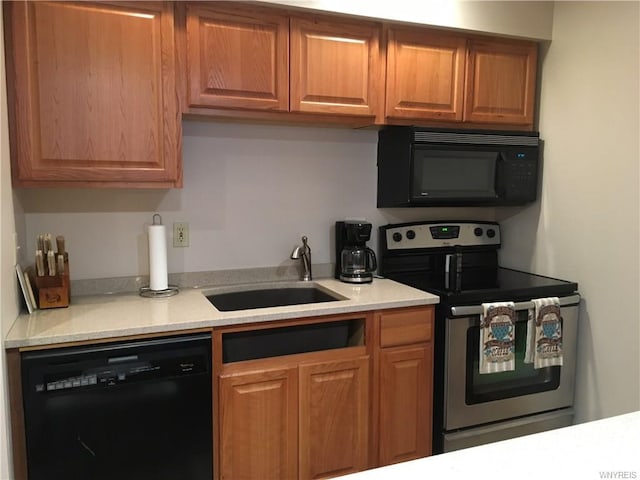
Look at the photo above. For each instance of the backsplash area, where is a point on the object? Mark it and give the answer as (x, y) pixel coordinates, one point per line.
(250, 193)
(116, 285)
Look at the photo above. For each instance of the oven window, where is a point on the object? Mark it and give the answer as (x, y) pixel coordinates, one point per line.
(454, 174)
(524, 380)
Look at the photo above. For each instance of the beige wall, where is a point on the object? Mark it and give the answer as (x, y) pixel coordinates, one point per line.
(520, 19)
(586, 225)
(8, 281)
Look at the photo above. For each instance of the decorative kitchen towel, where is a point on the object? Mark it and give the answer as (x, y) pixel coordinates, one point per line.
(497, 333)
(544, 333)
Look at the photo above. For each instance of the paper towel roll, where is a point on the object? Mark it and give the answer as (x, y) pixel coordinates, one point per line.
(157, 257)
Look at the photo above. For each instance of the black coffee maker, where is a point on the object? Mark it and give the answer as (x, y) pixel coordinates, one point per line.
(355, 262)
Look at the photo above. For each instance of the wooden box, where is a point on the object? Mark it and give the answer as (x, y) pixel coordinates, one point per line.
(52, 291)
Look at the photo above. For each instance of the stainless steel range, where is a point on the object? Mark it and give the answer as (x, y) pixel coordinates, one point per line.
(459, 262)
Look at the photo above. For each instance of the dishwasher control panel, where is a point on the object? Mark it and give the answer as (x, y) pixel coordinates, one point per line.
(130, 370)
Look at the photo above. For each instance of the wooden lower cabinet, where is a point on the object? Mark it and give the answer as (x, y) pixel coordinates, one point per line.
(334, 418)
(332, 412)
(304, 421)
(405, 384)
(258, 425)
(405, 403)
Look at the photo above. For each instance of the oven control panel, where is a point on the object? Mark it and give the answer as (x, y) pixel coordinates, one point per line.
(441, 234)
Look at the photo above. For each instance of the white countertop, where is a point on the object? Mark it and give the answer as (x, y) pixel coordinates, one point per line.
(605, 448)
(109, 316)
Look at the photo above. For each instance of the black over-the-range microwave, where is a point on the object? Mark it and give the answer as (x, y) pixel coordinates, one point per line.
(421, 167)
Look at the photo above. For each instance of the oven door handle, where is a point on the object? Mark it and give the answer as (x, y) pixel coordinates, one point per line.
(466, 311)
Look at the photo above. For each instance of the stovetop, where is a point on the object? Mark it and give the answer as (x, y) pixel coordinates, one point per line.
(510, 285)
(458, 261)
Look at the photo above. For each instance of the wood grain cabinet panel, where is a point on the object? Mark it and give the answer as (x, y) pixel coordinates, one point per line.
(92, 97)
(258, 425)
(405, 384)
(425, 75)
(405, 404)
(237, 58)
(406, 326)
(334, 418)
(501, 82)
(334, 66)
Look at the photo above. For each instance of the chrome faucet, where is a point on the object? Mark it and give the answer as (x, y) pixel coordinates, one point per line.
(303, 252)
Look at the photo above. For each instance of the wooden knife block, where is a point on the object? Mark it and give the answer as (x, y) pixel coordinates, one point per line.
(52, 291)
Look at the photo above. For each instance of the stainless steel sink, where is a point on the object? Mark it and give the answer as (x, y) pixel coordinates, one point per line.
(251, 297)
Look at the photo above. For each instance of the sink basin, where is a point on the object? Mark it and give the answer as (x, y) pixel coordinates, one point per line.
(270, 297)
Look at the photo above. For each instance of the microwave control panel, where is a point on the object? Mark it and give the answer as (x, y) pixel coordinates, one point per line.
(521, 170)
(445, 234)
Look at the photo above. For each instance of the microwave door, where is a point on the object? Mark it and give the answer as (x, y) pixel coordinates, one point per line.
(454, 174)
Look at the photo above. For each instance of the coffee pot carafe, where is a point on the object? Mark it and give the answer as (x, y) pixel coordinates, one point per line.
(355, 262)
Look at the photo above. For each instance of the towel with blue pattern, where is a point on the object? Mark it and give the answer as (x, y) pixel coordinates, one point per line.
(497, 335)
(544, 333)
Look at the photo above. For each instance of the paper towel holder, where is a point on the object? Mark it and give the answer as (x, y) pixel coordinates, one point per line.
(166, 292)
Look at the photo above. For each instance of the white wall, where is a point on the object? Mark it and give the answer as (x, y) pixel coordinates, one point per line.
(586, 226)
(521, 19)
(8, 281)
(251, 192)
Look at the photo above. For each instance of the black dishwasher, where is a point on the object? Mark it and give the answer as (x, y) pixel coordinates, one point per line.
(129, 410)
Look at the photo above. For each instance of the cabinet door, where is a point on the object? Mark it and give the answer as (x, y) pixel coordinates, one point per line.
(425, 75)
(405, 403)
(258, 425)
(501, 82)
(237, 58)
(92, 94)
(334, 418)
(334, 67)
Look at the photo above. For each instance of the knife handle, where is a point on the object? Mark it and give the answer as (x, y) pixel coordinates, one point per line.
(60, 264)
(51, 263)
(39, 263)
(48, 243)
(60, 244)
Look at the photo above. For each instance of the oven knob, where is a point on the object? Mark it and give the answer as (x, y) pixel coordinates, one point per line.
(478, 232)
(411, 234)
(491, 233)
(397, 237)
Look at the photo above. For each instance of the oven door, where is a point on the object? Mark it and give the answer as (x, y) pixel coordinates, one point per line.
(473, 399)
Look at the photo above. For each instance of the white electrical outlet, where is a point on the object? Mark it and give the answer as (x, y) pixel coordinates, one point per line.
(181, 234)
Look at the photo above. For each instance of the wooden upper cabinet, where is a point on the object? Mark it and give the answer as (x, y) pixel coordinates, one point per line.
(501, 82)
(237, 58)
(91, 94)
(334, 66)
(425, 75)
